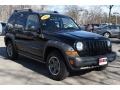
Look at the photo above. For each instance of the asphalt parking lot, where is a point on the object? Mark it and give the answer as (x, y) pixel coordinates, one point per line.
(26, 71)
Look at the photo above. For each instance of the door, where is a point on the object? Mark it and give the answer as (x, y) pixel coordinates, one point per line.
(19, 28)
(34, 43)
(114, 30)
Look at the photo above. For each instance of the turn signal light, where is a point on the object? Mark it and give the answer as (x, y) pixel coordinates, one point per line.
(71, 53)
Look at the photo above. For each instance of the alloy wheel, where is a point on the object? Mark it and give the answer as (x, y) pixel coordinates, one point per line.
(54, 65)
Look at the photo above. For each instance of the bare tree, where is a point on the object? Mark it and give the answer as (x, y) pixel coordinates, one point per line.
(104, 17)
(39, 7)
(6, 10)
(84, 16)
(110, 9)
(74, 12)
(93, 15)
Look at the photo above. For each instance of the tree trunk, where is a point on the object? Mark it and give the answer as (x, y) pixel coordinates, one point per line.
(110, 8)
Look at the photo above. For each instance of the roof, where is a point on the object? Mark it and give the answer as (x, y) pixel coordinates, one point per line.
(51, 13)
(40, 12)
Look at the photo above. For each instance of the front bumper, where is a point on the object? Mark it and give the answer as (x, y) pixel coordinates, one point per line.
(91, 61)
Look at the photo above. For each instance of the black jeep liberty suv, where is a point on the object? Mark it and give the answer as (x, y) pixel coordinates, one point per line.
(57, 41)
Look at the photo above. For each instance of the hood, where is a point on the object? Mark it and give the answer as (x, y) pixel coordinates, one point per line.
(70, 37)
(80, 35)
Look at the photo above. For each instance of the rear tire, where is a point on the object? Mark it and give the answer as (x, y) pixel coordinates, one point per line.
(55, 63)
(11, 51)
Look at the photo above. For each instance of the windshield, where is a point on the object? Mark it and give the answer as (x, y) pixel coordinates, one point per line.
(59, 23)
(68, 23)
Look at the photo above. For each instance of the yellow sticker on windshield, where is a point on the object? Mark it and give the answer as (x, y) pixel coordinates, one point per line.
(44, 17)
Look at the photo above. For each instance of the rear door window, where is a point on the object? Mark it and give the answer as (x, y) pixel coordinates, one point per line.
(21, 19)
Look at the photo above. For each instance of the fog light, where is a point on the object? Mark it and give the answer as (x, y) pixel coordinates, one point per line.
(71, 62)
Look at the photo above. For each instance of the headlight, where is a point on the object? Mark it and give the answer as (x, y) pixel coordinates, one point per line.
(79, 46)
(108, 43)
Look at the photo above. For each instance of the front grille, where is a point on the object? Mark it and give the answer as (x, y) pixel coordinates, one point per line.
(94, 47)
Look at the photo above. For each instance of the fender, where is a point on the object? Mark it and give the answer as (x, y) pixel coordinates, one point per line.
(107, 32)
(11, 37)
(63, 47)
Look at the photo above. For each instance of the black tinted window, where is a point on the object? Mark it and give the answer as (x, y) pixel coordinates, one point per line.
(12, 18)
(59, 23)
(32, 21)
(69, 24)
(53, 23)
(21, 19)
(113, 27)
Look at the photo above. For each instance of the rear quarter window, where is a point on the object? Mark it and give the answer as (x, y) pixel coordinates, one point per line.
(21, 19)
(12, 18)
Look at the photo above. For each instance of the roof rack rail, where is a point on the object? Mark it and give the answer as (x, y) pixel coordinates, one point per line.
(55, 12)
(29, 10)
(49, 11)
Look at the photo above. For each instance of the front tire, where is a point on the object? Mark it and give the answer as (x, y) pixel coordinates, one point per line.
(56, 66)
(11, 51)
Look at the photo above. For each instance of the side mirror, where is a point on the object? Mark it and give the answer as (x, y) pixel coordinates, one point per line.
(39, 31)
(20, 27)
(34, 29)
(31, 28)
